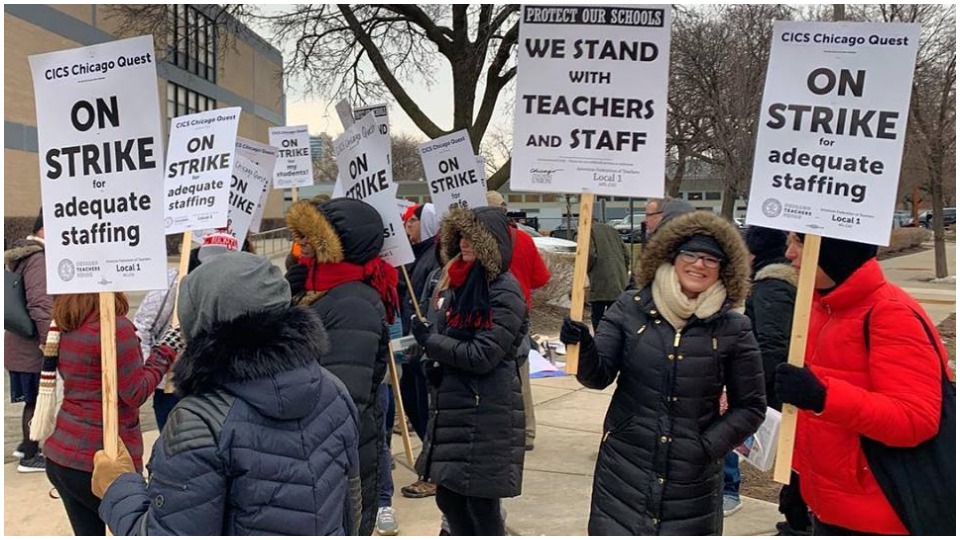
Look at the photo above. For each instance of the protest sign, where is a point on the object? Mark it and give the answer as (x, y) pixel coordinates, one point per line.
(199, 164)
(379, 112)
(832, 127)
(101, 178)
(361, 154)
(345, 112)
(265, 157)
(294, 162)
(451, 170)
(247, 186)
(591, 105)
(482, 171)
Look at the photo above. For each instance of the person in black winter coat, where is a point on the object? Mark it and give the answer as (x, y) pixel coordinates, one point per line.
(475, 437)
(672, 346)
(355, 294)
(770, 307)
(264, 440)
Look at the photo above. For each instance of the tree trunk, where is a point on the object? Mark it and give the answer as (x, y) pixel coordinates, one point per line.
(729, 202)
(673, 185)
(939, 232)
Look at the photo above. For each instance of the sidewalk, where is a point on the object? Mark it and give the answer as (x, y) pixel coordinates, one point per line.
(557, 478)
(914, 273)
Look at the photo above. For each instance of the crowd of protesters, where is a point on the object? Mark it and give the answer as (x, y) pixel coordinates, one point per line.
(279, 420)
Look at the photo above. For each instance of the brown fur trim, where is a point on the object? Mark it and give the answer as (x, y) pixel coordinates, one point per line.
(461, 222)
(783, 272)
(664, 244)
(309, 225)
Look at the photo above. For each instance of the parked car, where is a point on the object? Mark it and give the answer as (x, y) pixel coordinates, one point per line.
(636, 231)
(567, 229)
(547, 243)
(949, 218)
(902, 219)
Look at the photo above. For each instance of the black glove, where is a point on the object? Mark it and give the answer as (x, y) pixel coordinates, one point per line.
(573, 332)
(297, 277)
(420, 330)
(433, 371)
(413, 353)
(800, 387)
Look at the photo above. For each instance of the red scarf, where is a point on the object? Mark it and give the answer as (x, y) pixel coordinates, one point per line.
(375, 272)
(470, 308)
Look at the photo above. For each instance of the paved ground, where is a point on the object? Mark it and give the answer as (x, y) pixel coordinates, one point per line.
(557, 474)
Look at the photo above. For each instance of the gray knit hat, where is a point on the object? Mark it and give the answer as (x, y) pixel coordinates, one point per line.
(226, 287)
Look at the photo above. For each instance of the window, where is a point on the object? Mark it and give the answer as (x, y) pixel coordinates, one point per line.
(531, 198)
(192, 41)
(181, 101)
(713, 196)
(695, 196)
(515, 198)
(549, 198)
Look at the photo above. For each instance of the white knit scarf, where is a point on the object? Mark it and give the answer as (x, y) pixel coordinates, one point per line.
(675, 306)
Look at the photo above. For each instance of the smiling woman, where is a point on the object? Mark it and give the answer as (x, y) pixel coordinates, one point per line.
(678, 341)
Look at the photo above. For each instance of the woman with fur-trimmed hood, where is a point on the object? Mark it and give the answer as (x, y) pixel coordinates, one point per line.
(672, 346)
(474, 449)
(355, 293)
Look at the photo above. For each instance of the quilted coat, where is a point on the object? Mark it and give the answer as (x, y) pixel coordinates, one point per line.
(475, 435)
(263, 442)
(355, 321)
(891, 395)
(659, 469)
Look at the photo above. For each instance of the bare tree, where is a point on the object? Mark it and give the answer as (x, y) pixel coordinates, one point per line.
(719, 62)
(931, 145)
(363, 52)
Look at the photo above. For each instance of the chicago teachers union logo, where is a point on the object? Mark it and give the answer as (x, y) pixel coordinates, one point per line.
(772, 208)
(66, 270)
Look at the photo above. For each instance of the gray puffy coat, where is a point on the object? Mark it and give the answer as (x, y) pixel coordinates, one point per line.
(264, 441)
(659, 469)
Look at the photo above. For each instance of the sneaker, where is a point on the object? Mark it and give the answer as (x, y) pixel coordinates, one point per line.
(34, 464)
(387, 522)
(18, 452)
(419, 490)
(731, 505)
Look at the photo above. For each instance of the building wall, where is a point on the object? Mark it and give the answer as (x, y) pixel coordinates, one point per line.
(248, 75)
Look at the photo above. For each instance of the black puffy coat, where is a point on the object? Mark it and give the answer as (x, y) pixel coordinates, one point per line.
(263, 442)
(770, 309)
(475, 436)
(355, 320)
(659, 469)
(425, 263)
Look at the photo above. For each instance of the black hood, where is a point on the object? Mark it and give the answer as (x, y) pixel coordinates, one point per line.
(338, 230)
(488, 228)
(271, 361)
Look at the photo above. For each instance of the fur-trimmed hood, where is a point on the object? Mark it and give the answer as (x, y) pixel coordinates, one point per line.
(270, 360)
(663, 246)
(487, 228)
(338, 230)
(21, 250)
(781, 271)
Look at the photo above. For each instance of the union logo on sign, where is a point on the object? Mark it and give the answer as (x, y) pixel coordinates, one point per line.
(66, 270)
(772, 208)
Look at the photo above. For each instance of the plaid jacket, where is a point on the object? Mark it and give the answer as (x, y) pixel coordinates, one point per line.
(79, 431)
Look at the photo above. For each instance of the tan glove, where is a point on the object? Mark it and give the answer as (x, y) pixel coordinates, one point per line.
(106, 470)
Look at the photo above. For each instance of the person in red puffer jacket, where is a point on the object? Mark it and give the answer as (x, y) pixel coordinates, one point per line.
(890, 393)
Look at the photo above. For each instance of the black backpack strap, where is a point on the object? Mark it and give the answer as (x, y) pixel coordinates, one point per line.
(926, 329)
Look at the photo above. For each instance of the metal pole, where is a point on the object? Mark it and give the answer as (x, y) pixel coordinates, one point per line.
(839, 12)
(631, 236)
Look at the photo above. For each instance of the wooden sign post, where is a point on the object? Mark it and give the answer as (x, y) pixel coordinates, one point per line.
(294, 195)
(580, 275)
(108, 371)
(175, 318)
(395, 383)
(798, 348)
(415, 301)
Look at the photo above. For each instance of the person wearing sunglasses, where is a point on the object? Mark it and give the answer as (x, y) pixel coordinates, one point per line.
(672, 346)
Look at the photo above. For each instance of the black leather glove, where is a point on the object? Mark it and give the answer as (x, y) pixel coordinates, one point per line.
(573, 332)
(800, 387)
(433, 371)
(413, 353)
(297, 278)
(420, 330)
